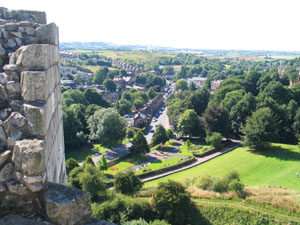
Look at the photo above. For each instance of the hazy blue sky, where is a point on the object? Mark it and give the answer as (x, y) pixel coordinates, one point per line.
(204, 24)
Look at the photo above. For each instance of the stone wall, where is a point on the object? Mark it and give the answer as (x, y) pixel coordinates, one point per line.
(32, 159)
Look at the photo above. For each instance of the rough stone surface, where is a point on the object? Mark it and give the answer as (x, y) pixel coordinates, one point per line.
(13, 88)
(37, 57)
(18, 220)
(28, 157)
(14, 123)
(66, 205)
(3, 137)
(34, 183)
(36, 119)
(48, 34)
(16, 187)
(11, 140)
(3, 157)
(11, 43)
(4, 114)
(6, 172)
(33, 86)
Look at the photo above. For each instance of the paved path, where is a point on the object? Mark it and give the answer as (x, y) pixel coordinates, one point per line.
(196, 163)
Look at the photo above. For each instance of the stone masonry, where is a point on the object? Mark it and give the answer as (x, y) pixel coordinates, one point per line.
(32, 159)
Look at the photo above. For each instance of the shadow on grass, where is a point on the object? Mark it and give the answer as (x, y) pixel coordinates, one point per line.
(168, 149)
(279, 153)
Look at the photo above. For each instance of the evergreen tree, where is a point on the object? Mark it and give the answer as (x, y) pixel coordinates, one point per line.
(160, 136)
(139, 144)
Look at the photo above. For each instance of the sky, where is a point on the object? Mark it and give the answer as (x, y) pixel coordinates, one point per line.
(198, 24)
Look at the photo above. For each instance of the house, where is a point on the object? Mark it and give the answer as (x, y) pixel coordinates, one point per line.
(214, 85)
(198, 81)
(294, 81)
(139, 120)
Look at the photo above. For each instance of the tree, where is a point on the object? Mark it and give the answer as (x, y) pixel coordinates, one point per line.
(151, 93)
(173, 203)
(159, 136)
(93, 181)
(199, 100)
(170, 134)
(93, 97)
(100, 75)
(73, 97)
(106, 126)
(127, 183)
(139, 144)
(138, 103)
(189, 123)
(181, 84)
(261, 128)
(215, 139)
(102, 163)
(110, 85)
(215, 120)
(168, 70)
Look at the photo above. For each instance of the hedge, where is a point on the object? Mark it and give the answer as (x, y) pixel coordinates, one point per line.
(212, 150)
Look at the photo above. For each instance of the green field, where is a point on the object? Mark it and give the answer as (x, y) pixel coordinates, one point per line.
(276, 167)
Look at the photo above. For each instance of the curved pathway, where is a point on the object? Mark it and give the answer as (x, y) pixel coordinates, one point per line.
(196, 163)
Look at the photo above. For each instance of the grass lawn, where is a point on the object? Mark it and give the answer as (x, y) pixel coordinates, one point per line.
(80, 154)
(160, 164)
(125, 164)
(95, 68)
(276, 167)
(168, 144)
(184, 148)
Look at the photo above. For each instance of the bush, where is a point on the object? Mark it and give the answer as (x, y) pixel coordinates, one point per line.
(232, 175)
(188, 143)
(127, 183)
(73, 179)
(220, 185)
(173, 203)
(71, 164)
(93, 181)
(143, 222)
(215, 139)
(130, 132)
(122, 209)
(89, 161)
(170, 134)
(236, 185)
(102, 163)
(205, 182)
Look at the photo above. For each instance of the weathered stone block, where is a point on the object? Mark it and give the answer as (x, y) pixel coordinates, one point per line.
(2, 138)
(2, 50)
(4, 114)
(33, 86)
(36, 56)
(34, 183)
(48, 34)
(3, 157)
(14, 123)
(16, 187)
(28, 157)
(11, 140)
(13, 88)
(6, 172)
(18, 220)
(36, 119)
(11, 43)
(66, 205)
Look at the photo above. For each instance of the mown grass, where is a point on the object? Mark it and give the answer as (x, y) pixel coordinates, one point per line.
(202, 147)
(95, 68)
(168, 144)
(277, 167)
(126, 163)
(160, 164)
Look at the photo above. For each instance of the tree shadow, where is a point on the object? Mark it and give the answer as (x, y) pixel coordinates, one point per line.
(279, 153)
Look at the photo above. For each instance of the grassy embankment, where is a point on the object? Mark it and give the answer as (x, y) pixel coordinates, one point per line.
(276, 167)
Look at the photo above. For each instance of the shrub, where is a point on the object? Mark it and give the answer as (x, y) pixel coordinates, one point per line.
(188, 143)
(173, 203)
(232, 175)
(73, 179)
(71, 164)
(130, 132)
(89, 160)
(170, 134)
(205, 182)
(93, 181)
(220, 185)
(122, 209)
(102, 163)
(236, 185)
(215, 139)
(127, 183)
